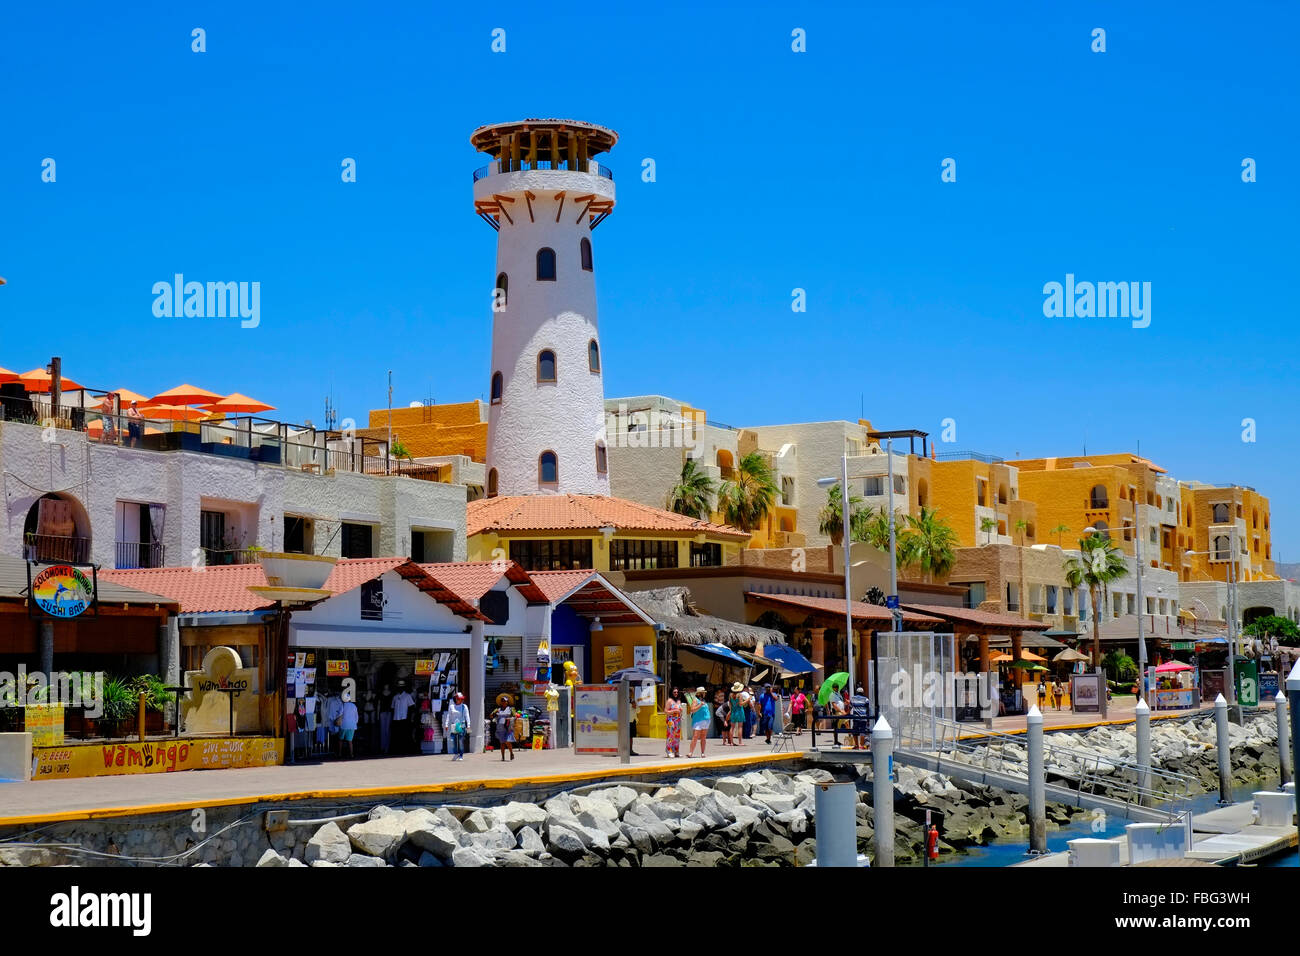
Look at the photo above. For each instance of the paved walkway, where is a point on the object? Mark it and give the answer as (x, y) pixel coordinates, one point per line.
(50, 800)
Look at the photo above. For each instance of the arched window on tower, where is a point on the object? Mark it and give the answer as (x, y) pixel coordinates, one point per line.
(602, 458)
(548, 468)
(496, 388)
(545, 265)
(546, 366)
(503, 291)
(492, 483)
(585, 249)
(593, 356)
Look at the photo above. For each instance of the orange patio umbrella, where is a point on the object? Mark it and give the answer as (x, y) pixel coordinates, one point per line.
(185, 395)
(1030, 656)
(39, 380)
(237, 404)
(999, 658)
(7, 376)
(129, 396)
(174, 413)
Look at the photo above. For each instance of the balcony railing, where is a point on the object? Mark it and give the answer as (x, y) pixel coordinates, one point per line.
(219, 556)
(49, 548)
(510, 166)
(140, 554)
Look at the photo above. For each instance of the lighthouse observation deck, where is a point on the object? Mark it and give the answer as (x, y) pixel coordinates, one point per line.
(535, 156)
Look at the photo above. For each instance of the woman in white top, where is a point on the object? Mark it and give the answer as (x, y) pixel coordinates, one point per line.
(458, 722)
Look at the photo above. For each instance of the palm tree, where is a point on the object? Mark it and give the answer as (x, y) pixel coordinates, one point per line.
(1059, 530)
(693, 494)
(1021, 527)
(875, 530)
(987, 525)
(831, 520)
(1099, 563)
(928, 541)
(745, 502)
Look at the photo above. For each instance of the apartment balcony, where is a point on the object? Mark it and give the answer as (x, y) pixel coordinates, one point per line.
(56, 548)
(139, 554)
(220, 556)
(791, 539)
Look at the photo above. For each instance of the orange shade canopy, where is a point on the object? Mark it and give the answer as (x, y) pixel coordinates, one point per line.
(185, 395)
(39, 380)
(7, 376)
(129, 396)
(174, 413)
(236, 403)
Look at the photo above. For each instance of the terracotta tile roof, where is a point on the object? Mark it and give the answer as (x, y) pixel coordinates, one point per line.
(862, 611)
(556, 584)
(472, 579)
(582, 512)
(965, 615)
(212, 590)
(351, 573)
(590, 595)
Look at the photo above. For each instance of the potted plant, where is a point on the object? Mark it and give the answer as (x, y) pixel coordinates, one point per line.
(156, 700)
(119, 705)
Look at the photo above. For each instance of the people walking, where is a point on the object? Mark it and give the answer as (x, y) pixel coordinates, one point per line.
(860, 708)
(504, 716)
(1042, 694)
(699, 714)
(1058, 692)
(767, 705)
(458, 720)
(673, 725)
(736, 716)
(349, 717)
(799, 710)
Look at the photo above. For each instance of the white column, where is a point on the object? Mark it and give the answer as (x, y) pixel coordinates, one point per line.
(476, 685)
(1037, 782)
(882, 791)
(1224, 751)
(1143, 751)
(1283, 736)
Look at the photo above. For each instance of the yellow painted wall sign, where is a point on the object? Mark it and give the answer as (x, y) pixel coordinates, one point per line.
(101, 760)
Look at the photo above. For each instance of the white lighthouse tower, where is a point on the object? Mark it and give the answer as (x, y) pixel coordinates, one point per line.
(545, 194)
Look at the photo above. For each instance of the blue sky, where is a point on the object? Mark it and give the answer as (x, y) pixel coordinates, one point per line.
(775, 171)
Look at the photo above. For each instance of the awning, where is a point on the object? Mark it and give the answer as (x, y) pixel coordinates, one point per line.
(714, 654)
(789, 659)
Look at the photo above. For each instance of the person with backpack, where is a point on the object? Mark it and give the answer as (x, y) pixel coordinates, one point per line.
(458, 721)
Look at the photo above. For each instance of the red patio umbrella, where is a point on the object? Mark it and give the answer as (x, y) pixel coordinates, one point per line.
(236, 404)
(7, 376)
(1170, 667)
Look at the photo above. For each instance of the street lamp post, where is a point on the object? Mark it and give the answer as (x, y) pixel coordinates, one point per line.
(1234, 708)
(1141, 606)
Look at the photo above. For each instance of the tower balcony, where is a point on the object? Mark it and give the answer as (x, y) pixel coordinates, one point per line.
(510, 166)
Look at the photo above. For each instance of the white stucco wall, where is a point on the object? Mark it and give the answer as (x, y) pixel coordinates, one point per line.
(565, 416)
(97, 476)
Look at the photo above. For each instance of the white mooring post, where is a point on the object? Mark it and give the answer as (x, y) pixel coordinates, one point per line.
(1293, 699)
(882, 791)
(1143, 752)
(1283, 737)
(1225, 752)
(1037, 783)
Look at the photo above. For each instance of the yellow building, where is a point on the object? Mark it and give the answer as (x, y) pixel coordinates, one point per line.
(557, 532)
(1213, 517)
(432, 431)
(979, 497)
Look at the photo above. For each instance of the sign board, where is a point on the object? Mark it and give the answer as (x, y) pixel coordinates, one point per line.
(643, 655)
(100, 760)
(891, 602)
(613, 658)
(423, 668)
(596, 718)
(62, 591)
(45, 723)
(1086, 692)
(1268, 685)
(1213, 684)
(336, 668)
(1247, 683)
(372, 600)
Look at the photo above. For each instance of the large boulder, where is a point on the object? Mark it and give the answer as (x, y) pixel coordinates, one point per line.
(330, 844)
(362, 859)
(621, 797)
(732, 786)
(448, 819)
(497, 838)
(271, 858)
(662, 860)
(480, 821)
(428, 832)
(516, 858)
(380, 836)
(473, 856)
(516, 815)
(530, 841)
(565, 843)
(777, 802)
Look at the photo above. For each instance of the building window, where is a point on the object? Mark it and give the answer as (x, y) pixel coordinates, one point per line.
(503, 284)
(548, 468)
(212, 535)
(546, 366)
(1103, 529)
(706, 555)
(873, 486)
(358, 540)
(545, 265)
(497, 381)
(552, 555)
(639, 555)
(585, 249)
(1098, 499)
(297, 535)
(980, 493)
(602, 458)
(492, 483)
(1221, 550)
(593, 356)
(1220, 514)
(976, 594)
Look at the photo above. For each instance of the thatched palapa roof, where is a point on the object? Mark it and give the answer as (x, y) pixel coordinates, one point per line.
(672, 608)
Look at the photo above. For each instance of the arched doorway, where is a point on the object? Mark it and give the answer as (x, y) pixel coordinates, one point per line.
(57, 528)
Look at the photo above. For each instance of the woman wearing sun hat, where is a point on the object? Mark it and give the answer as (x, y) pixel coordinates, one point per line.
(737, 712)
(504, 715)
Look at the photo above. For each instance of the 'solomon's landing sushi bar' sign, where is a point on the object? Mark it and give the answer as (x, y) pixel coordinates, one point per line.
(61, 590)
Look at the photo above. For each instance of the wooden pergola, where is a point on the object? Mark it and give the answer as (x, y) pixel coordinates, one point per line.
(967, 622)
